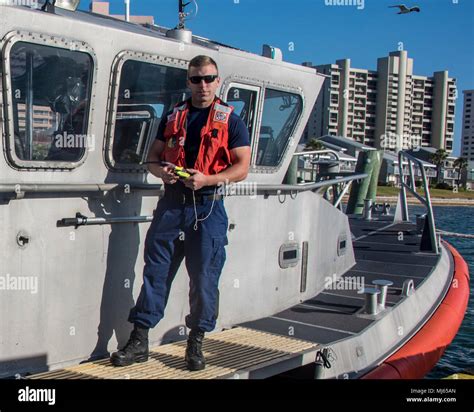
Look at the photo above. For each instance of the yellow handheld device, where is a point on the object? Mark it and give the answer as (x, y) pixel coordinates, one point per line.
(179, 171)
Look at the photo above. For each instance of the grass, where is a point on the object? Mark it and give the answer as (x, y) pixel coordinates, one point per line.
(435, 193)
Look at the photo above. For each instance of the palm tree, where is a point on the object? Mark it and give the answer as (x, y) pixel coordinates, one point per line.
(313, 144)
(438, 159)
(460, 163)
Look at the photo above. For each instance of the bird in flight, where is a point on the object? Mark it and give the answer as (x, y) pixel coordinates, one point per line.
(405, 10)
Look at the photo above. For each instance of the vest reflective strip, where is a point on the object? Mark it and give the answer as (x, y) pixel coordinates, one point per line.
(220, 108)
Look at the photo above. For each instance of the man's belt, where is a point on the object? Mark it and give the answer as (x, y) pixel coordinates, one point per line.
(187, 198)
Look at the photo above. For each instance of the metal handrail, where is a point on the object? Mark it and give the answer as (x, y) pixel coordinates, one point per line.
(317, 152)
(22, 188)
(19, 190)
(239, 189)
(265, 188)
(426, 201)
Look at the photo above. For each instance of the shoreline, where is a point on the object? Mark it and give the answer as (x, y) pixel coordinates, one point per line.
(436, 201)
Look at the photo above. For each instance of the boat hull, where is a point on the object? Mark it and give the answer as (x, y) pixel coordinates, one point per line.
(419, 355)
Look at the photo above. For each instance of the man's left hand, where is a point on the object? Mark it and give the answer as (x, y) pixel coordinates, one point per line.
(197, 180)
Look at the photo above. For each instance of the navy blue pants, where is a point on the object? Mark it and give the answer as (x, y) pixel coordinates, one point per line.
(170, 238)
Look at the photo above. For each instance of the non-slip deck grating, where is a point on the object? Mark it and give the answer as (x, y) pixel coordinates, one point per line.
(227, 353)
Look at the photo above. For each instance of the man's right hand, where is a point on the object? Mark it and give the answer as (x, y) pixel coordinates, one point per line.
(167, 175)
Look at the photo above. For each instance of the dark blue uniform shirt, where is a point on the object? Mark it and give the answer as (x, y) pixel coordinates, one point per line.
(197, 119)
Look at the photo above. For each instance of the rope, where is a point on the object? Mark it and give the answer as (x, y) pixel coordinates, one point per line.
(454, 234)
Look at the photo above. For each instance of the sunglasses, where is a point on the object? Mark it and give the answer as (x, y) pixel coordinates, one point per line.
(198, 79)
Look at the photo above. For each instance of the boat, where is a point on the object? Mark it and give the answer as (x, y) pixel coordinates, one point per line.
(305, 284)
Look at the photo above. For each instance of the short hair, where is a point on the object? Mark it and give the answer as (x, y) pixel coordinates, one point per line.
(201, 61)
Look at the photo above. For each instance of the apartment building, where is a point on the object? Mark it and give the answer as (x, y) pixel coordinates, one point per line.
(467, 135)
(389, 108)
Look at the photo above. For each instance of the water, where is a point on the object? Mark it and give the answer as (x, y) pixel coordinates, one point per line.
(459, 356)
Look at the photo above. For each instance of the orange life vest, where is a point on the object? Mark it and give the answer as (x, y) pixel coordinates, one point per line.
(213, 156)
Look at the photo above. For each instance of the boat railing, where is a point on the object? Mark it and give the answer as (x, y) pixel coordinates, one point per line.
(315, 158)
(246, 188)
(407, 182)
(317, 153)
(275, 189)
(19, 190)
(332, 170)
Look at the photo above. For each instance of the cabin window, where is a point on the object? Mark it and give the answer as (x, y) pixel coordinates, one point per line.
(244, 101)
(281, 111)
(50, 94)
(147, 91)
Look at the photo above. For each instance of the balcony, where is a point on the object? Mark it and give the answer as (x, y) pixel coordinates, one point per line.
(450, 174)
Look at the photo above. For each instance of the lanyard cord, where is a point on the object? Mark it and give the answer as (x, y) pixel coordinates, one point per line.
(195, 210)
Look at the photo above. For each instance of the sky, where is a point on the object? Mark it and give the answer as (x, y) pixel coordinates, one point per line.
(440, 37)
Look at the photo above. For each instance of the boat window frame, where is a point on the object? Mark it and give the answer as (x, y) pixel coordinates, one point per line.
(232, 79)
(41, 39)
(120, 59)
(290, 141)
(229, 82)
(253, 88)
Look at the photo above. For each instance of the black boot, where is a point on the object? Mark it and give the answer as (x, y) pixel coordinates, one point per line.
(194, 358)
(136, 349)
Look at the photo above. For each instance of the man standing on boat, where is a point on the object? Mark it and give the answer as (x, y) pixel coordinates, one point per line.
(203, 136)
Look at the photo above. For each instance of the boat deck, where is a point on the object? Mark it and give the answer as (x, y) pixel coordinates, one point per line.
(236, 353)
(382, 251)
(291, 338)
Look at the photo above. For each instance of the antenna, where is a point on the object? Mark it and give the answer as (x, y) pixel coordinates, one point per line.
(182, 14)
(48, 6)
(127, 10)
(180, 32)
